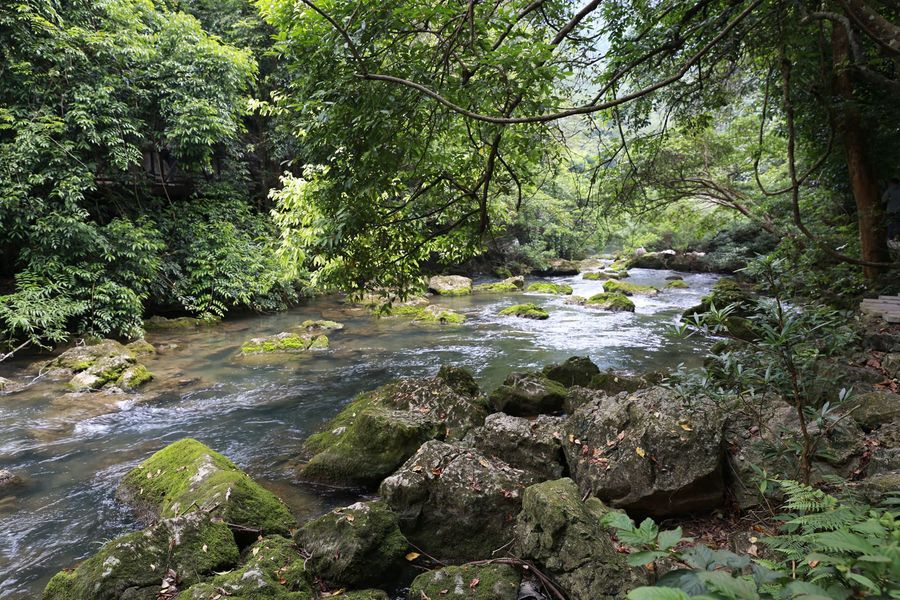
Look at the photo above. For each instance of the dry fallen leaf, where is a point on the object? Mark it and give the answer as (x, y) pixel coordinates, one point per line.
(412, 556)
(255, 551)
(350, 517)
(686, 427)
(205, 548)
(474, 583)
(640, 452)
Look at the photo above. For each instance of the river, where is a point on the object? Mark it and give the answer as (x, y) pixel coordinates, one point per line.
(73, 449)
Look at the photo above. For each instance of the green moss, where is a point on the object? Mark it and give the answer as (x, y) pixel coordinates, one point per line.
(470, 582)
(354, 546)
(629, 289)
(193, 546)
(612, 301)
(188, 475)
(550, 288)
(500, 287)
(526, 311)
(320, 342)
(273, 568)
(677, 284)
(594, 276)
(285, 343)
(134, 377)
(141, 348)
(438, 314)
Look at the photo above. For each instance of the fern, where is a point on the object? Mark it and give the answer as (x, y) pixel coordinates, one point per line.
(806, 499)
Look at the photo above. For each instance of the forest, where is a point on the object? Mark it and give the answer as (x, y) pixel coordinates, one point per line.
(488, 299)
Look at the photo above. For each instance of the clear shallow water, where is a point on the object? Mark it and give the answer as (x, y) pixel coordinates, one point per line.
(73, 449)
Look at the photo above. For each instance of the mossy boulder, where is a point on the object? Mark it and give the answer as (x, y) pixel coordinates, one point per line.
(560, 267)
(439, 314)
(450, 285)
(550, 288)
(468, 582)
(454, 502)
(526, 311)
(272, 568)
(532, 445)
(565, 537)
(285, 343)
(725, 292)
(460, 380)
(317, 325)
(141, 348)
(648, 452)
(380, 429)
(595, 276)
(194, 546)
(576, 370)
(528, 394)
(508, 285)
(614, 382)
(629, 289)
(188, 475)
(610, 301)
(354, 546)
(677, 284)
(876, 408)
(92, 367)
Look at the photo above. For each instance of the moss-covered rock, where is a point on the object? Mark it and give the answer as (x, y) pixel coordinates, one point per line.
(133, 566)
(595, 276)
(454, 502)
(677, 284)
(95, 366)
(550, 288)
(629, 289)
(508, 285)
(141, 348)
(321, 325)
(285, 343)
(379, 430)
(450, 285)
(272, 568)
(611, 301)
(724, 293)
(469, 582)
(565, 537)
(158, 323)
(134, 377)
(528, 394)
(439, 314)
(354, 546)
(188, 475)
(361, 595)
(460, 380)
(560, 267)
(526, 311)
(532, 445)
(690, 262)
(614, 382)
(576, 370)
(877, 408)
(648, 452)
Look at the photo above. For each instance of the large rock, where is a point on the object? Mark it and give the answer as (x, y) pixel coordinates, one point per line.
(648, 453)
(560, 267)
(273, 568)
(106, 363)
(532, 445)
(468, 582)
(188, 475)
(450, 285)
(577, 370)
(690, 262)
(133, 566)
(876, 409)
(354, 546)
(508, 285)
(565, 537)
(285, 343)
(8, 480)
(528, 394)
(379, 430)
(454, 502)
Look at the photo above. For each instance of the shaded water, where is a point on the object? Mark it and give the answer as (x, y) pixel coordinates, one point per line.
(73, 449)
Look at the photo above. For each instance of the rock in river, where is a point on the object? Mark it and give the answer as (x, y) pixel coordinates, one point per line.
(450, 285)
(106, 363)
(532, 445)
(576, 370)
(528, 394)
(380, 429)
(468, 582)
(647, 452)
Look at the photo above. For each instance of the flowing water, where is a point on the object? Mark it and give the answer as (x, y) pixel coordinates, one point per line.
(73, 449)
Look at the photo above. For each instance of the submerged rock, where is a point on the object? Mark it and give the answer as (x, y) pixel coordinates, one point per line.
(565, 537)
(285, 343)
(354, 546)
(273, 567)
(188, 475)
(8, 480)
(379, 430)
(532, 445)
(157, 323)
(450, 285)
(550, 288)
(439, 314)
(468, 582)
(454, 502)
(134, 565)
(648, 453)
(528, 394)
(576, 370)
(321, 325)
(526, 311)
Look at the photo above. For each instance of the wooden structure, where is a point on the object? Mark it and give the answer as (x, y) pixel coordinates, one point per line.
(886, 307)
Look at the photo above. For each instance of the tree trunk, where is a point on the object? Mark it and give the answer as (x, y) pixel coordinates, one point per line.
(872, 233)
